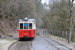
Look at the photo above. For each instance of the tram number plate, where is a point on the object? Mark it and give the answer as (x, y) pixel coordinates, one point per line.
(25, 33)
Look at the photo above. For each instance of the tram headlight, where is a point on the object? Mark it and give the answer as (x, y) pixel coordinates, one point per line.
(20, 33)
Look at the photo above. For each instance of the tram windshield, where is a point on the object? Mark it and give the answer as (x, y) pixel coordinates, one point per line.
(25, 25)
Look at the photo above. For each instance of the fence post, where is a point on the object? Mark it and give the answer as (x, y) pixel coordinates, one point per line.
(43, 31)
(57, 34)
(62, 35)
(54, 33)
(66, 35)
(50, 32)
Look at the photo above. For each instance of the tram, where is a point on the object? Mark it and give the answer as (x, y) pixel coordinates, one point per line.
(27, 28)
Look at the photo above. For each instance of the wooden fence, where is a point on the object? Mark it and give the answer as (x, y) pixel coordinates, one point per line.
(60, 35)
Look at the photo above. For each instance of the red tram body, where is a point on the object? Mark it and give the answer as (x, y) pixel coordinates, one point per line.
(27, 28)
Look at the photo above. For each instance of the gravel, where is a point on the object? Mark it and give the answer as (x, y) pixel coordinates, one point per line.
(40, 44)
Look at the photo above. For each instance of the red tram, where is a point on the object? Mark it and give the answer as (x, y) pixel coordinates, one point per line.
(27, 28)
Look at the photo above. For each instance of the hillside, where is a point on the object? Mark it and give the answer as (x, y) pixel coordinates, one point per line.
(13, 10)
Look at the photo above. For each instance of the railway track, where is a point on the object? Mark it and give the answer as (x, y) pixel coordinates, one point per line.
(21, 45)
(60, 43)
(50, 43)
(58, 47)
(27, 45)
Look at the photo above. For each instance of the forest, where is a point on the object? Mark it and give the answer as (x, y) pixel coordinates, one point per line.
(57, 15)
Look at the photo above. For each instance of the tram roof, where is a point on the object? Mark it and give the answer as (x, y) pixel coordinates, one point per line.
(29, 20)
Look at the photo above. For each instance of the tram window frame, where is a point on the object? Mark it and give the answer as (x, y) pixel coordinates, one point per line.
(21, 27)
(30, 27)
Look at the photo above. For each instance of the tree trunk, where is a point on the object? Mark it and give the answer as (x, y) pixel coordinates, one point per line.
(70, 30)
(70, 27)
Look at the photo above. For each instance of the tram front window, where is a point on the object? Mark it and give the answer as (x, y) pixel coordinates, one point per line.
(25, 25)
(30, 25)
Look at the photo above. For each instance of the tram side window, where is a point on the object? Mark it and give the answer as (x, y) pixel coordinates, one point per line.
(25, 25)
(21, 25)
(30, 25)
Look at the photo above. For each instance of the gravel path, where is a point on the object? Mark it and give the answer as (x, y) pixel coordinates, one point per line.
(57, 45)
(41, 44)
